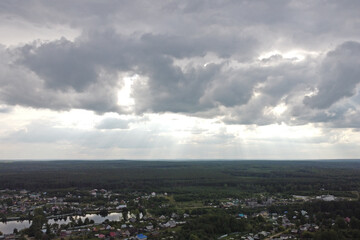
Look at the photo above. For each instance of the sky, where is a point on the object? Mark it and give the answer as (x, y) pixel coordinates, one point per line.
(179, 79)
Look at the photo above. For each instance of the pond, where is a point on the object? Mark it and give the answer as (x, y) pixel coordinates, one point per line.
(8, 227)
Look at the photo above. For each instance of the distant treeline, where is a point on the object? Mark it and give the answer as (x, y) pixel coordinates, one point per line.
(189, 177)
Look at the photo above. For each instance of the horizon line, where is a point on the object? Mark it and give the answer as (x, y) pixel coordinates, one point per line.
(179, 159)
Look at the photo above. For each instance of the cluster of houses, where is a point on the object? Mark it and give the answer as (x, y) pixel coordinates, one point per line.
(268, 201)
(17, 205)
(102, 231)
(277, 220)
(326, 198)
(254, 202)
(133, 228)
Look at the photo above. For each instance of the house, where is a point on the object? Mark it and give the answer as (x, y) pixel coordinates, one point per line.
(126, 233)
(303, 228)
(172, 223)
(121, 206)
(263, 233)
(328, 198)
(112, 234)
(93, 192)
(63, 233)
(141, 236)
(251, 203)
(149, 227)
(264, 214)
(23, 192)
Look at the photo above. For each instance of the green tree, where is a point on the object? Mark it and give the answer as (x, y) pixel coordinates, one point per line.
(307, 235)
(38, 222)
(103, 212)
(80, 222)
(86, 221)
(328, 235)
(125, 214)
(340, 222)
(194, 237)
(48, 230)
(355, 223)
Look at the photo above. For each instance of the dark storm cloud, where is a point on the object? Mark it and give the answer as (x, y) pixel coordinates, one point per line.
(340, 74)
(74, 68)
(162, 42)
(61, 64)
(20, 86)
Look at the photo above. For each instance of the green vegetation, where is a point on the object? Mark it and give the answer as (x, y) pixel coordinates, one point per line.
(188, 199)
(191, 180)
(38, 221)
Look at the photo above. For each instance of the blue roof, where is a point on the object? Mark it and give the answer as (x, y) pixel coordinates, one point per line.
(241, 215)
(141, 236)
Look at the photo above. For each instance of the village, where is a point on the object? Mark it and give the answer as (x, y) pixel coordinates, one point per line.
(103, 214)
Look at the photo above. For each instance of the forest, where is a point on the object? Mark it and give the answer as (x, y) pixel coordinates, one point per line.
(192, 179)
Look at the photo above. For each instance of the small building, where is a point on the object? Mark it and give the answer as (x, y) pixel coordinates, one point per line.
(149, 227)
(172, 223)
(328, 198)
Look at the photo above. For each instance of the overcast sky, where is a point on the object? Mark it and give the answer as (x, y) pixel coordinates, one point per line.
(179, 79)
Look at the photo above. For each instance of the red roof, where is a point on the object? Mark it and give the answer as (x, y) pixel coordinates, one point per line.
(112, 234)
